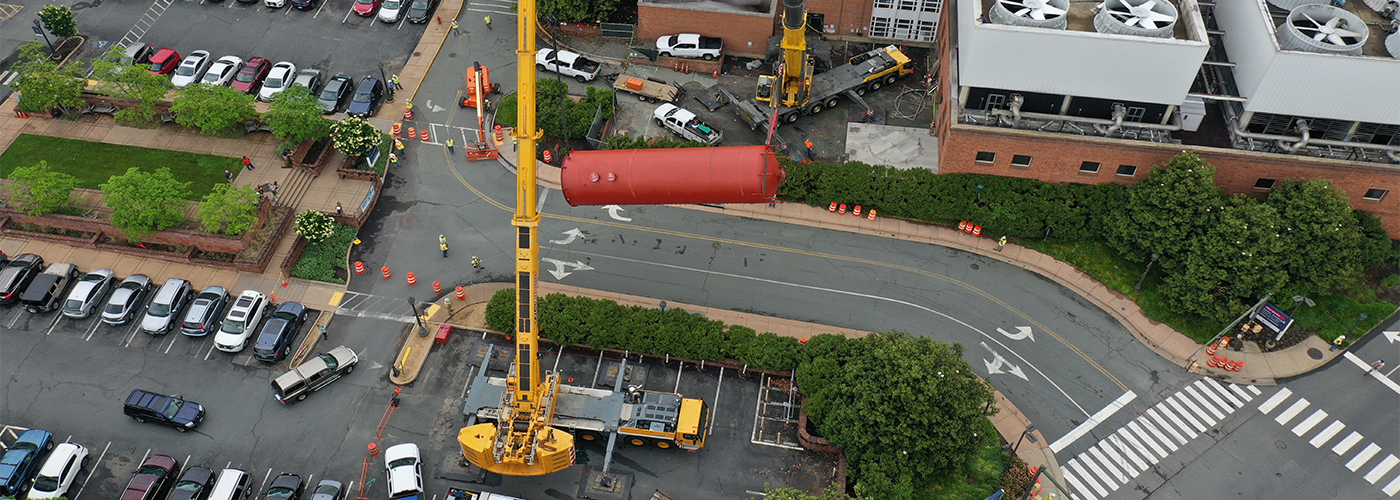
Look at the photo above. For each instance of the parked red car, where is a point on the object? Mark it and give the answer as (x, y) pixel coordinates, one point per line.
(366, 7)
(251, 76)
(165, 61)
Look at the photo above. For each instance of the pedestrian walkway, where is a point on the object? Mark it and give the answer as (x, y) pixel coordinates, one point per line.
(1140, 444)
(1358, 459)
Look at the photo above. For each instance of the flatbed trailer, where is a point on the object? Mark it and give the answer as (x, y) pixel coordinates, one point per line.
(647, 90)
(867, 72)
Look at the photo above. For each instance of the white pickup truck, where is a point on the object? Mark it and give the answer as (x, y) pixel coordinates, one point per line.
(686, 125)
(568, 64)
(689, 45)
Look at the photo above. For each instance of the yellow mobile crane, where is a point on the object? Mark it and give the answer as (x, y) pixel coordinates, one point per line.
(522, 442)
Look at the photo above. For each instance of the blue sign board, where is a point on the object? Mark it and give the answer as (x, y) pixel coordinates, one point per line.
(1272, 317)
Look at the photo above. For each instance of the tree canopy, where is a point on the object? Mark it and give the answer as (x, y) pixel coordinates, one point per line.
(229, 209)
(214, 110)
(42, 85)
(904, 408)
(577, 10)
(315, 226)
(295, 115)
(58, 19)
(38, 190)
(354, 136)
(128, 82)
(145, 202)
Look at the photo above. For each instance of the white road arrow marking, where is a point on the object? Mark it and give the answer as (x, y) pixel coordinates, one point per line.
(1023, 332)
(994, 366)
(559, 265)
(433, 108)
(573, 234)
(1392, 336)
(612, 211)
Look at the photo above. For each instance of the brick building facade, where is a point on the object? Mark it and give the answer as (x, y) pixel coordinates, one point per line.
(744, 33)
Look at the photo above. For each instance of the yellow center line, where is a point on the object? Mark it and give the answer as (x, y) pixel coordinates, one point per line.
(774, 248)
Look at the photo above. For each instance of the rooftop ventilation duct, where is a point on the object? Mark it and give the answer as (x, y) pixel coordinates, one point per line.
(1293, 4)
(1147, 18)
(1392, 45)
(1034, 13)
(1324, 29)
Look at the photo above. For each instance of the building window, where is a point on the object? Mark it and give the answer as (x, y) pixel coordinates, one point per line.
(908, 4)
(995, 101)
(934, 6)
(884, 4)
(1135, 113)
(1265, 184)
(1089, 167)
(1127, 170)
(903, 28)
(986, 157)
(928, 30)
(1375, 194)
(880, 27)
(1020, 160)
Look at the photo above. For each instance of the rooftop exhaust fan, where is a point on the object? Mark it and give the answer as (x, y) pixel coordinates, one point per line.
(1033, 13)
(1323, 28)
(1293, 4)
(1148, 18)
(1392, 45)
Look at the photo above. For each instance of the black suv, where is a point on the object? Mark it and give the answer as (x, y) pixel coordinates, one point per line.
(17, 274)
(276, 338)
(169, 410)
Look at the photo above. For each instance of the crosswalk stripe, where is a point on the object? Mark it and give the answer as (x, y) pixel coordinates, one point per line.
(1165, 411)
(1308, 423)
(1274, 400)
(1080, 471)
(1292, 411)
(1254, 389)
(1392, 488)
(1099, 475)
(1129, 434)
(1347, 443)
(1107, 465)
(1181, 402)
(1222, 395)
(1361, 458)
(1073, 482)
(1148, 437)
(1237, 390)
(1206, 404)
(1381, 469)
(1327, 434)
(1122, 444)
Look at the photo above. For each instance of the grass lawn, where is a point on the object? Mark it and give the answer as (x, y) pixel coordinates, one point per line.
(94, 162)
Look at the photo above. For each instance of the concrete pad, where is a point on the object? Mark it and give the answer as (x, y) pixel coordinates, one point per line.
(899, 147)
(13, 246)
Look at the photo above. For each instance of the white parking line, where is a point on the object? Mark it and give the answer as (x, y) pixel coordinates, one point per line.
(18, 311)
(715, 409)
(54, 324)
(347, 13)
(92, 471)
(264, 481)
(96, 321)
(172, 343)
(132, 336)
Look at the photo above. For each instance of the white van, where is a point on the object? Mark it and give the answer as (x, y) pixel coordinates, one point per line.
(233, 484)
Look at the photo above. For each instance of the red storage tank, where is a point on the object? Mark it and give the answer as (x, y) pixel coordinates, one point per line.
(739, 174)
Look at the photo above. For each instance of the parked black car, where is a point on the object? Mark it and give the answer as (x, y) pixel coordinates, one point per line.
(145, 406)
(17, 274)
(336, 91)
(284, 487)
(194, 484)
(420, 11)
(275, 341)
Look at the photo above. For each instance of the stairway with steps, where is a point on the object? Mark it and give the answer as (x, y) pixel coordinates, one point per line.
(297, 183)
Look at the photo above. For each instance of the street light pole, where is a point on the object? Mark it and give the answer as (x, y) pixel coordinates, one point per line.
(413, 304)
(1359, 319)
(979, 192)
(1138, 286)
(39, 28)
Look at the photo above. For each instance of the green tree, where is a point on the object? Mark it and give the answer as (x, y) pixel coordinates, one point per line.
(214, 110)
(925, 401)
(552, 99)
(58, 19)
(315, 226)
(295, 116)
(1322, 240)
(1178, 200)
(578, 10)
(38, 190)
(145, 202)
(1231, 265)
(136, 85)
(643, 142)
(354, 136)
(229, 209)
(42, 85)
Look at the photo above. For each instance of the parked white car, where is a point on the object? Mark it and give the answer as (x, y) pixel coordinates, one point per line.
(192, 69)
(241, 321)
(278, 79)
(404, 468)
(223, 70)
(392, 10)
(58, 472)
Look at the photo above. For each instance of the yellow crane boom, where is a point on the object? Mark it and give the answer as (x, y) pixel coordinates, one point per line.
(522, 442)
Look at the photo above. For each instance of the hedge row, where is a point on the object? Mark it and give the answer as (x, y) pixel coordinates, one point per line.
(320, 260)
(567, 320)
(1002, 205)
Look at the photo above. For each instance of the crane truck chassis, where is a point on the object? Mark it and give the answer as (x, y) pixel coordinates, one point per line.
(869, 71)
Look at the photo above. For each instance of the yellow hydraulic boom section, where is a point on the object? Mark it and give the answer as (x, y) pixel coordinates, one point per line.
(521, 442)
(794, 78)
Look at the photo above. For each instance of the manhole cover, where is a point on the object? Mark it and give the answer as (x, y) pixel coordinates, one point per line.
(449, 55)
(1280, 445)
(716, 245)
(974, 267)
(1314, 353)
(408, 220)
